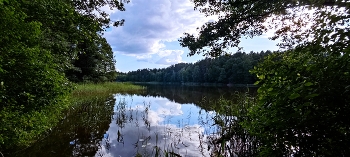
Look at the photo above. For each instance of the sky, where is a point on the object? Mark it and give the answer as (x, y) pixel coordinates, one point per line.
(149, 37)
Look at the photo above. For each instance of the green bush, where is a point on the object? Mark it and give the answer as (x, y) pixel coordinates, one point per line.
(32, 91)
(303, 104)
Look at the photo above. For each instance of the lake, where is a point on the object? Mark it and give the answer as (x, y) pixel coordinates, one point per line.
(164, 120)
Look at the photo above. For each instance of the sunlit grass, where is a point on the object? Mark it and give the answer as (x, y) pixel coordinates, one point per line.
(86, 92)
(101, 89)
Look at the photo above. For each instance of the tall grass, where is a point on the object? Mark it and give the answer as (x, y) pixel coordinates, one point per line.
(232, 138)
(20, 130)
(101, 89)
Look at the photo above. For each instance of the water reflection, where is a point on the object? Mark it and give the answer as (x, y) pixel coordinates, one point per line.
(155, 126)
(78, 134)
(163, 121)
(194, 94)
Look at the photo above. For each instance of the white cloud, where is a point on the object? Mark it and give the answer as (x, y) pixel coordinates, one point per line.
(149, 24)
(170, 57)
(170, 109)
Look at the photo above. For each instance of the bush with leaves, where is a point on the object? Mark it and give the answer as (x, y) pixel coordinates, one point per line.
(303, 104)
(32, 90)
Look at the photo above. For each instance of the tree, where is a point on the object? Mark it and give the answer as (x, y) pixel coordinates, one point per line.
(196, 74)
(296, 22)
(224, 69)
(73, 33)
(39, 41)
(92, 10)
(28, 76)
(304, 94)
(95, 63)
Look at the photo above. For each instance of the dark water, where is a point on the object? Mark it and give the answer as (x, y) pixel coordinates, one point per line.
(162, 121)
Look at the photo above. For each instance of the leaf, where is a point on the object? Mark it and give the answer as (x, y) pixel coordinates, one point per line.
(261, 77)
(294, 96)
(312, 95)
(307, 84)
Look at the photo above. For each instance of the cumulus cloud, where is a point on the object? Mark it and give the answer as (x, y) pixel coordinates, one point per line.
(150, 24)
(170, 57)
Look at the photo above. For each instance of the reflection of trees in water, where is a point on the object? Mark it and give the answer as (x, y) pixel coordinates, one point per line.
(83, 130)
(79, 133)
(194, 94)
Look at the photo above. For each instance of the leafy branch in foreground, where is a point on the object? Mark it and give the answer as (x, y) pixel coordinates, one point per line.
(304, 94)
(297, 22)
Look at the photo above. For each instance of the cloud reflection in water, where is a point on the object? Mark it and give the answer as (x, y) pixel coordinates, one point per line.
(143, 125)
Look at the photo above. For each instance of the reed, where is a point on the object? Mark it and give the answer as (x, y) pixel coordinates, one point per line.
(102, 89)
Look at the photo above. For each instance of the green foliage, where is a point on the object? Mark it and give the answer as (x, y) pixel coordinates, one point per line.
(40, 42)
(30, 85)
(19, 130)
(74, 38)
(96, 64)
(293, 21)
(304, 93)
(303, 104)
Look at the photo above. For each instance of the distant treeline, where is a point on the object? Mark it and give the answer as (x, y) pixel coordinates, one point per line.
(233, 69)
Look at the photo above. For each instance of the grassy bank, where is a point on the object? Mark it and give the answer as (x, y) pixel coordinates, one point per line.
(91, 92)
(102, 89)
(21, 129)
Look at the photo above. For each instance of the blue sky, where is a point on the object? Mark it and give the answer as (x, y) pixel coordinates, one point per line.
(149, 37)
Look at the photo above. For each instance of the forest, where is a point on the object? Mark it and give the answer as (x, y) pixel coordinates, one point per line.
(45, 46)
(226, 69)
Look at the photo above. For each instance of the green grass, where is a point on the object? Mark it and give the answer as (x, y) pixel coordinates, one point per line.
(102, 89)
(19, 130)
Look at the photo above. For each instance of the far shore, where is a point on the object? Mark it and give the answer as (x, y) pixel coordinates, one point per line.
(199, 84)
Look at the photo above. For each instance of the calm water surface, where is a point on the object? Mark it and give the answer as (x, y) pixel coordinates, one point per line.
(164, 120)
